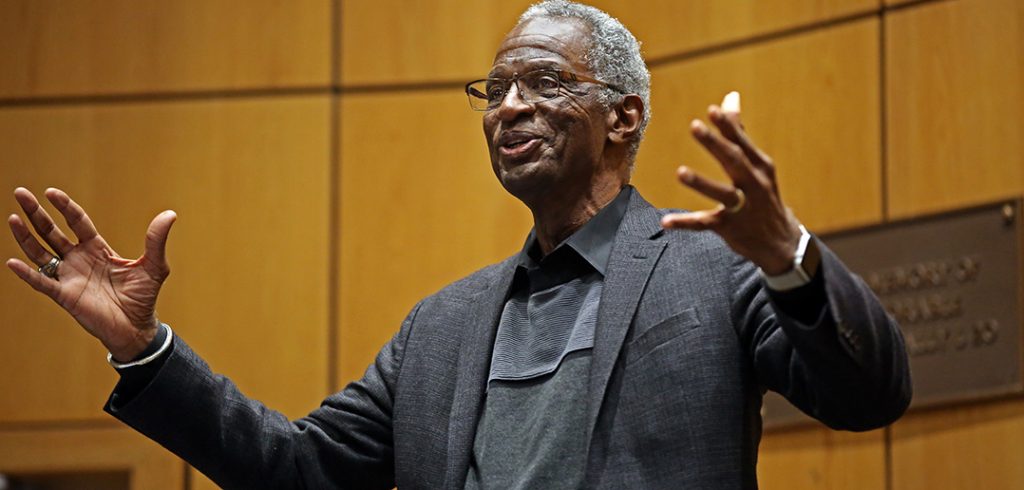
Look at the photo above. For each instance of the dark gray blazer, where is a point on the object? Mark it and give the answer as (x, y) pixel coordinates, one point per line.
(687, 341)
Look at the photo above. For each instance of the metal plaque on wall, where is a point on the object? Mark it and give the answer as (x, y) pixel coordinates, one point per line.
(953, 282)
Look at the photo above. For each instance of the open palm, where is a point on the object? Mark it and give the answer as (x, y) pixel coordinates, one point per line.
(113, 298)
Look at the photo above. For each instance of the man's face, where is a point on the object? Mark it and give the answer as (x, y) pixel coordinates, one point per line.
(553, 145)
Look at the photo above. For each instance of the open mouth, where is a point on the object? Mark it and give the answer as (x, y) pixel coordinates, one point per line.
(519, 146)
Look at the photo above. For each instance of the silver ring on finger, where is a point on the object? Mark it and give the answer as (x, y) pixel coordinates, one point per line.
(741, 201)
(49, 269)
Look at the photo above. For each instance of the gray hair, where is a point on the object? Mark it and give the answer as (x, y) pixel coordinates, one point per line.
(614, 56)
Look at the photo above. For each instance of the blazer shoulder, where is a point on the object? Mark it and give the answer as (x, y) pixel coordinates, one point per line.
(468, 287)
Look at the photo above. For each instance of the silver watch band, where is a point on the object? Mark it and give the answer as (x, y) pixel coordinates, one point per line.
(148, 359)
(796, 276)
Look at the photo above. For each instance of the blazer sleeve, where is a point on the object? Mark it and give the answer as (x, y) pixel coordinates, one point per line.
(239, 443)
(848, 368)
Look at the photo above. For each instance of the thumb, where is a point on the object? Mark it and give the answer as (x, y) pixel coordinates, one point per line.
(156, 238)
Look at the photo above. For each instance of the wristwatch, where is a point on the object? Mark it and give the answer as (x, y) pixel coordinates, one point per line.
(805, 265)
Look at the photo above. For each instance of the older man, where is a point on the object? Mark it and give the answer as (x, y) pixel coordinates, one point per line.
(613, 351)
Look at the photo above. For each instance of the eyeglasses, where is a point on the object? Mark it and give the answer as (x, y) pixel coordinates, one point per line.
(535, 86)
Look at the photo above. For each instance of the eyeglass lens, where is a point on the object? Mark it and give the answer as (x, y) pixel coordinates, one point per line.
(531, 87)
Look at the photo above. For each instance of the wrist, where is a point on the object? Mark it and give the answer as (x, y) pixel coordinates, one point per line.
(804, 265)
(783, 254)
(135, 346)
(156, 350)
(778, 264)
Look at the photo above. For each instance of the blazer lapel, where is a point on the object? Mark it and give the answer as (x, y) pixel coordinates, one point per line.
(474, 362)
(638, 245)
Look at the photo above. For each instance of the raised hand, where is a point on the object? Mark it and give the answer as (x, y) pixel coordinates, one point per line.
(751, 217)
(113, 298)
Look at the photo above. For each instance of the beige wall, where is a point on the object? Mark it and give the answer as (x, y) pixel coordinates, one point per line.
(327, 174)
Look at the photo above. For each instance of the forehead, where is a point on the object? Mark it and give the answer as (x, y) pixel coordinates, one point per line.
(544, 43)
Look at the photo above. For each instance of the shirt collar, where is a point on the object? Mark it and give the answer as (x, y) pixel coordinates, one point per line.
(593, 241)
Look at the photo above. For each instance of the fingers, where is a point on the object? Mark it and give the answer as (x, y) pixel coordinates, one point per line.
(755, 169)
(729, 155)
(727, 119)
(695, 220)
(75, 216)
(723, 193)
(39, 282)
(156, 239)
(728, 123)
(28, 243)
(42, 222)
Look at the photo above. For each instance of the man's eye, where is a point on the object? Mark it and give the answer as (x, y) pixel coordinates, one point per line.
(548, 82)
(495, 92)
(544, 83)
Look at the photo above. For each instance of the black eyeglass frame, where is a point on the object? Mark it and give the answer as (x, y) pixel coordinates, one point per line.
(562, 76)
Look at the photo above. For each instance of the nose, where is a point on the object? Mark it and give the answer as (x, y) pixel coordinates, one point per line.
(512, 105)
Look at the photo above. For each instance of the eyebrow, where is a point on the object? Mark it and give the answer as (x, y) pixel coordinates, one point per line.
(532, 65)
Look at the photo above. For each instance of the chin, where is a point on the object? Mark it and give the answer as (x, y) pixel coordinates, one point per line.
(527, 181)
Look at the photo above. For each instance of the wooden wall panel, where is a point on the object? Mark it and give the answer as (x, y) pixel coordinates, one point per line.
(819, 458)
(199, 481)
(248, 289)
(955, 96)
(427, 41)
(454, 40)
(59, 48)
(420, 207)
(954, 74)
(151, 467)
(666, 27)
(963, 448)
(810, 101)
(955, 138)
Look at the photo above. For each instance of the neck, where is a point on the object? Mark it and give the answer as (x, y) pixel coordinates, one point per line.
(558, 219)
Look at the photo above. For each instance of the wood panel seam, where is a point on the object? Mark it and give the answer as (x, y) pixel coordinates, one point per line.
(334, 201)
(910, 4)
(652, 63)
(335, 50)
(659, 61)
(334, 245)
(198, 95)
(756, 39)
(68, 424)
(887, 454)
(883, 112)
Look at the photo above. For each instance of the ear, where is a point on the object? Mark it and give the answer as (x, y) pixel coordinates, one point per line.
(624, 119)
